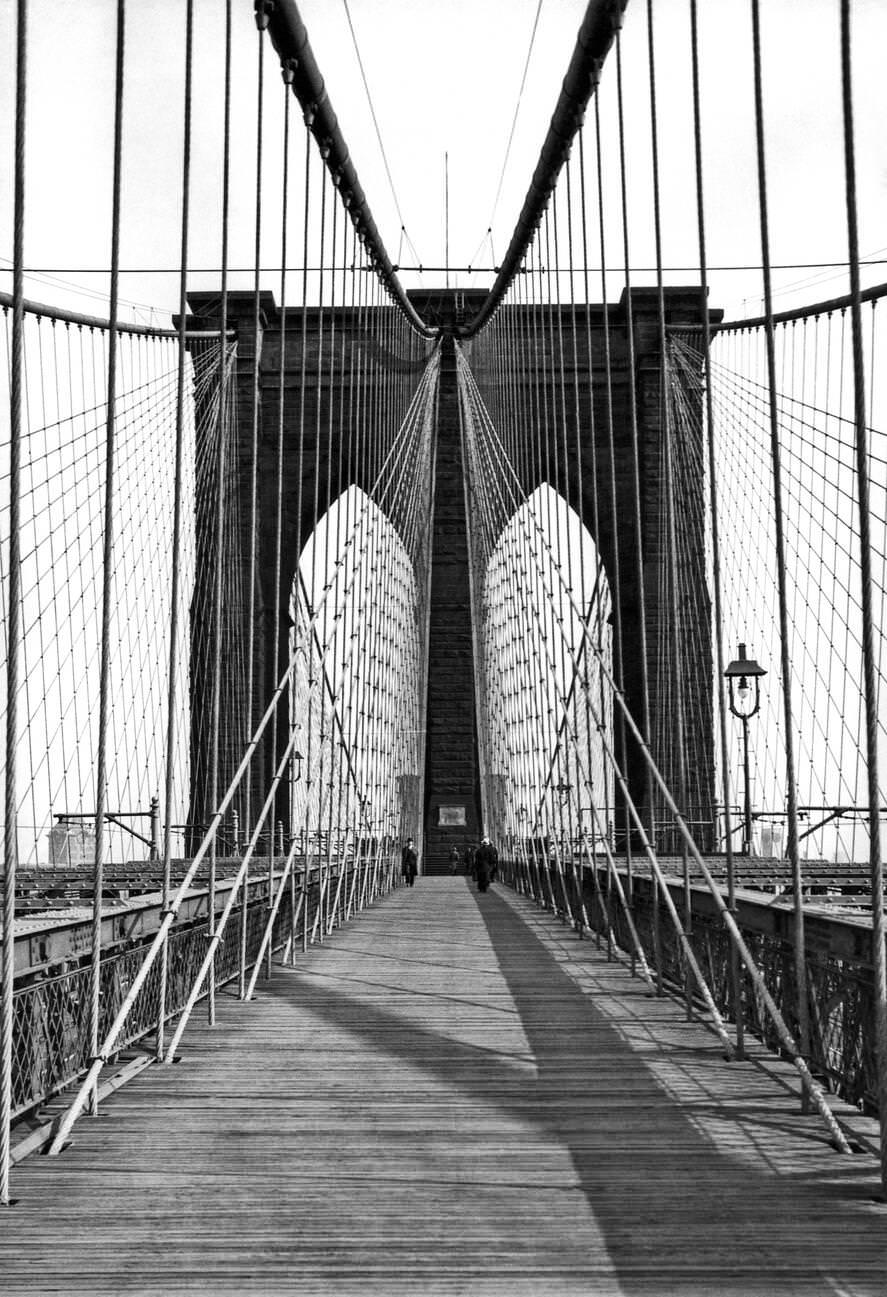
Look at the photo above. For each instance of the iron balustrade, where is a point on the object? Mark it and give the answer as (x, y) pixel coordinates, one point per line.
(840, 982)
(51, 1012)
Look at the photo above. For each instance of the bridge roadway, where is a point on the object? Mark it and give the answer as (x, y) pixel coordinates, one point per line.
(451, 1095)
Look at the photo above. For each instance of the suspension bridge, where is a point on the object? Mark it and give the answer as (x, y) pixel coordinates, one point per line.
(578, 563)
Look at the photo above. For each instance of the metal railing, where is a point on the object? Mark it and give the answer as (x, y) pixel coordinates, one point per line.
(51, 1039)
(840, 981)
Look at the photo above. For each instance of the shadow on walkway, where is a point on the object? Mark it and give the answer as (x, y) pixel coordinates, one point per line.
(678, 1214)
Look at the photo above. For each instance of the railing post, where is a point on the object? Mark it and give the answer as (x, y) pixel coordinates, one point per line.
(154, 832)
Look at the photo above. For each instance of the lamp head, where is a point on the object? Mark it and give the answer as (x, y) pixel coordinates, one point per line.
(737, 675)
(743, 666)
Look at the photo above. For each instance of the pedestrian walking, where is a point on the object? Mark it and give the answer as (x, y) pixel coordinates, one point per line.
(409, 863)
(455, 860)
(486, 864)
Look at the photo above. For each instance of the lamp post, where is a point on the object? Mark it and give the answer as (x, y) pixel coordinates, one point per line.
(745, 702)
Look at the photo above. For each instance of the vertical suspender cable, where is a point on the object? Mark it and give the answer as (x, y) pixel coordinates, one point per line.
(328, 750)
(666, 434)
(287, 72)
(172, 689)
(620, 736)
(252, 576)
(13, 631)
(735, 968)
(865, 572)
(101, 798)
(246, 819)
(635, 467)
(219, 522)
(303, 333)
(318, 412)
(580, 503)
(776, 464)
(564, 490)
(596, 528)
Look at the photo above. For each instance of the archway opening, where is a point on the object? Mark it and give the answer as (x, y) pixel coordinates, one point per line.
(357, 695)
(545, 699)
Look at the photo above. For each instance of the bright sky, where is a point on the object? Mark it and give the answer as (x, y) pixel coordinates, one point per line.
(444, 79)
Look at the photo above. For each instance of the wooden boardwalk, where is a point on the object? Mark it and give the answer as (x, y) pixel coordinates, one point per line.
(452, 1095)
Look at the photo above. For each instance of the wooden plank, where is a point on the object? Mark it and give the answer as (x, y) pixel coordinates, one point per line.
(452, 1095)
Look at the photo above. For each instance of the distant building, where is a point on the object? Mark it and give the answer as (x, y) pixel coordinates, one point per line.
(71, 842)
(771, 838)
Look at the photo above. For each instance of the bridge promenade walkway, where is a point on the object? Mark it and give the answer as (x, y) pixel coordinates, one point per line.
(451, 1095)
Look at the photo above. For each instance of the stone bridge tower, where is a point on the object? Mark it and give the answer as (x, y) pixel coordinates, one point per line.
(452, 793)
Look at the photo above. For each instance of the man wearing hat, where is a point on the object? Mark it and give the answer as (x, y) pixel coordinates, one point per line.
(486, 862)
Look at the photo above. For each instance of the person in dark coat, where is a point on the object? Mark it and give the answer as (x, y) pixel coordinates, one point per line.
(486, 862)
(409, 863)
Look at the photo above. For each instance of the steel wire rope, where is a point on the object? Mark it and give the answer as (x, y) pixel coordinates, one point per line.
(562, 492)
(236, 884)
(816, 720)
(346, 725)
(315, 507)
(550, 898)
(112, 1033)
(788, 741)
(636, 728)
(287, 74)
(295, 638)
(218, 525)
(564, 507)
(879, 955)
(375, 121)
(595, 477)
(336, 649)
(580, 493)
(380, 699)
(365, 471)
(678, 744)
(101, 791)
(633, 428)
(374, 452)
(541, 470)
(797, 1058)
(486, 754)
(262, 19)
(692, 601)
(330, 755)
(548, 418)
(515, 368)
(525, 286)
(617, 587)
(514, 118)
(547, 630)
(172, 694)
(813, 516)
(13, 609)
(737, 383)
(499, 644)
